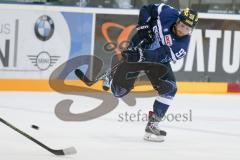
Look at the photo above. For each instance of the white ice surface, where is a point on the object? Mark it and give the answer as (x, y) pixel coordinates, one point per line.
(213, 133)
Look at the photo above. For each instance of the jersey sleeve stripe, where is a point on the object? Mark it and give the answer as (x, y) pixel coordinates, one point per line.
(159, 23)
(174, 58)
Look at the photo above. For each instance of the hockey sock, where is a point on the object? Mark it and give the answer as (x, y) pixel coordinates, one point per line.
(160, 108)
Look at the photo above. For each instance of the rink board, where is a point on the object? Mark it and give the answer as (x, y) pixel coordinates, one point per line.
(183, 87)
(27, 60)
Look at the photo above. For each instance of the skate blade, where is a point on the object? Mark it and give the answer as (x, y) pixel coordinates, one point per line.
(153, 138)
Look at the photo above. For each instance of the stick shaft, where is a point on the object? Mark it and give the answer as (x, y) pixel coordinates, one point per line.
(56, 152)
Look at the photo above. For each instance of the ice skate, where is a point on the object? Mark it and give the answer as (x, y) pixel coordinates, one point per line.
(153, 132)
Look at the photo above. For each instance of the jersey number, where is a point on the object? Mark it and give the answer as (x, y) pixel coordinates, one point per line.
(181, 53)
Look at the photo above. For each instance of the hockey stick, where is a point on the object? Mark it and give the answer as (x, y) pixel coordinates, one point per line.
(89, 82)
(66, 151)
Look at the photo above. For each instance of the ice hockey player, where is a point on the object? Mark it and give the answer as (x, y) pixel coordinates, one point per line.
(166, 34)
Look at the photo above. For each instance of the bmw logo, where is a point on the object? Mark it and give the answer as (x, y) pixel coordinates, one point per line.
(44, 28)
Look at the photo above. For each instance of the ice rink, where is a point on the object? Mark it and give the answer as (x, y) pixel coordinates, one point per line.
(204, 127)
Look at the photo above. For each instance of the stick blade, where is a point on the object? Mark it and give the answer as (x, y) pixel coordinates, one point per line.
(82, 77)
(79, 74)
(69, 151)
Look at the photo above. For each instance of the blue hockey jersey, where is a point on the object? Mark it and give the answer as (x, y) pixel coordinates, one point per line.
(165, 17)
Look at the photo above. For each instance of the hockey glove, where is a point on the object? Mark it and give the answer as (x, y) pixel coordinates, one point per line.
(145, 32)
(133, 55)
